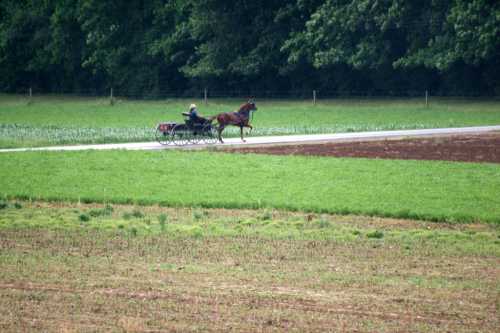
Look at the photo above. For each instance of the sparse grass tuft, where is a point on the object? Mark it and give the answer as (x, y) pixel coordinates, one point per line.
(322, 223)
(267, 215)
(136, 213)
(375, 234)
(106, 211)
(199, 214)
(162, 219)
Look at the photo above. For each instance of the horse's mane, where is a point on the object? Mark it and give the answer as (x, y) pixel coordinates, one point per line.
(245, 106)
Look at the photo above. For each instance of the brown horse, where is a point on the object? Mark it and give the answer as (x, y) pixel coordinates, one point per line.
(238, 118)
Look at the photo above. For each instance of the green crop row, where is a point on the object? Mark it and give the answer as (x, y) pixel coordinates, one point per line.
(13, 135)
(68, 120)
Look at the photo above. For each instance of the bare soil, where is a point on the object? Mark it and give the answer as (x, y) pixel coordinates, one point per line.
(464, 148)
(82, 279)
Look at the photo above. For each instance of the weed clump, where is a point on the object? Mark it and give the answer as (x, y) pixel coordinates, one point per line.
(322, 223)
(162, 219)
(199, 214)
(94, 212)
(17, 205)
(375, 234)
(266, 216)
(137, 214)
(3, 204)
(106, 211)
(84, 217)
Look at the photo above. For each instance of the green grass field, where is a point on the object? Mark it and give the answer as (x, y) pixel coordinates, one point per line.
(440, 191)
(53, 120)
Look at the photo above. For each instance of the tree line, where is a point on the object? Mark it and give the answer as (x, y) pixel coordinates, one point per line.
(147, 47)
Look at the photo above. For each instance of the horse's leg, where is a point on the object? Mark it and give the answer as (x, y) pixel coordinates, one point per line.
(219, 131)
(251, 128)
(241, 132)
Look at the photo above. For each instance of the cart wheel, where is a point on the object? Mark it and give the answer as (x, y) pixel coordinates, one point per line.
(210, 134)
(180, 135)
(195, 136)
(162, 137)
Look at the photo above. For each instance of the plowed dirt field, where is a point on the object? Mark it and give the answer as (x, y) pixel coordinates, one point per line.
(465, 148)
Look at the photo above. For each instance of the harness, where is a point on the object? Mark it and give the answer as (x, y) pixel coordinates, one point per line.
(244, 116)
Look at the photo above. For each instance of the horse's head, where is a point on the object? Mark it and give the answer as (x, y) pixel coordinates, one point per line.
(248, 106)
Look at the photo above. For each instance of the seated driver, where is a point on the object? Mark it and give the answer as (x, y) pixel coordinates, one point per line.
(193, 115)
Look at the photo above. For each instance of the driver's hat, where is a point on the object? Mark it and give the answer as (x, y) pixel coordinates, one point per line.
(192, 106)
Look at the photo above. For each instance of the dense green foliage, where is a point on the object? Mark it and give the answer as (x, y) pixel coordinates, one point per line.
(154, 47)
(55, 120)
(440, 191)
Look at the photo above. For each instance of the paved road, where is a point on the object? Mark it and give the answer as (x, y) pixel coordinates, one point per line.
(288, 139)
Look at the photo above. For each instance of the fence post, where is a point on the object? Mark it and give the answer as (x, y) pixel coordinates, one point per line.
(314, 97)
(30, 100)
(111, 98)
(205, 96)
(426, 98)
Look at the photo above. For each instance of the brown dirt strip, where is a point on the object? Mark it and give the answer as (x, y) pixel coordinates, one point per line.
(82, 291)
(464, 148)
(301, 304)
